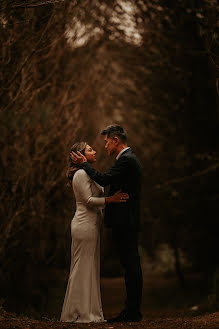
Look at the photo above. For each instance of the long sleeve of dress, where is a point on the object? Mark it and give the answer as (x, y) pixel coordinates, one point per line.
(82, 188)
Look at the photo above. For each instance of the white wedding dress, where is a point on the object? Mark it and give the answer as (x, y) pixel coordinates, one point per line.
(82, 299)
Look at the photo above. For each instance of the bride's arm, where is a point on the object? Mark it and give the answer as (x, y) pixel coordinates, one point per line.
(82, 185)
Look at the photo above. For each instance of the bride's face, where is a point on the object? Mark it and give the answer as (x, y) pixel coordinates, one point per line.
(90, 154)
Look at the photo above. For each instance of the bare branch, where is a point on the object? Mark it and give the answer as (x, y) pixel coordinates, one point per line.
(35, 4)
(186, 178)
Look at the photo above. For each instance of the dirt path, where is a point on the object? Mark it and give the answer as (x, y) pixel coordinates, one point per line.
(166, 307)
(210, 321)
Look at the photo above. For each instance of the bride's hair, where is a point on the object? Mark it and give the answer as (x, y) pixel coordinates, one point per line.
(79, 146)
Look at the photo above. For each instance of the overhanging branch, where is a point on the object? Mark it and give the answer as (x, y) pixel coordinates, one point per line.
(186, 178)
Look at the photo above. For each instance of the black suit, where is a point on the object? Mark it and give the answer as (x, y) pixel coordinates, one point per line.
(124, 218)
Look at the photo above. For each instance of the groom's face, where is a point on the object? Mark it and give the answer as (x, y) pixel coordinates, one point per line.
(110, 145)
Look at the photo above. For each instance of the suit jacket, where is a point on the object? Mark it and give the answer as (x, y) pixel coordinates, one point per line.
(125, 175)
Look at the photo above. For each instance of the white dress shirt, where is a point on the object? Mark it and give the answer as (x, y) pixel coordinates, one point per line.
(120, 153)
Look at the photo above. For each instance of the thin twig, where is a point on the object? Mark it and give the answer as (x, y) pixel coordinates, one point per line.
(185, 178)
(27, 59)
(38, 4)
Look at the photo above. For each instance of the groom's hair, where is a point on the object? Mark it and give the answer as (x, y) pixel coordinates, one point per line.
(115, 130)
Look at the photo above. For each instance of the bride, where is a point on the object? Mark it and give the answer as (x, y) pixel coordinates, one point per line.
(82, 299)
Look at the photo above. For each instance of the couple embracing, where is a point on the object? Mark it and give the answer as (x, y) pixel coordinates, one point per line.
(122, 213)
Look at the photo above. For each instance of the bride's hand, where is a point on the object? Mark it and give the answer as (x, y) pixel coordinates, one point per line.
(118, 197)
(78, 158)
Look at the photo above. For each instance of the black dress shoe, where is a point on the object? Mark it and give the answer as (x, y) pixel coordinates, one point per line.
(126, 316)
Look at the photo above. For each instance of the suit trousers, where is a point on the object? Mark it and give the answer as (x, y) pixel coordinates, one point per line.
(127, 247)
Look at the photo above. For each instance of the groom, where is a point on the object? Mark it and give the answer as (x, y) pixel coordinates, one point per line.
(123, 218)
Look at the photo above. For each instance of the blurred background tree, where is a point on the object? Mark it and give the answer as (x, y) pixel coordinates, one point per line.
(68, 69)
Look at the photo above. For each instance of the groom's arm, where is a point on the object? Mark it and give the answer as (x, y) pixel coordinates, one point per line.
(113, 175)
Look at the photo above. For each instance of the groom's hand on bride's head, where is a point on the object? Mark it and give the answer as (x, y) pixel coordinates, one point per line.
(78, 158)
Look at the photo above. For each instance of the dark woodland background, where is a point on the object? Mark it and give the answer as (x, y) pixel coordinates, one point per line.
(68, 69)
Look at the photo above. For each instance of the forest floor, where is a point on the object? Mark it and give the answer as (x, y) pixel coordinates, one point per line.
(150, 321)
(165, 306)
